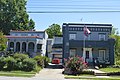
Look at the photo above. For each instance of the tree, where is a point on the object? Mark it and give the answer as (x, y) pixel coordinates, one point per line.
(13, 16)
(53, 30)
(3, 41)
(114, 34)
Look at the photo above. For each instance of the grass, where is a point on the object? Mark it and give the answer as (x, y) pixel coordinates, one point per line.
(17, 73)
(20, 73)
(110, 69)
(90, 77)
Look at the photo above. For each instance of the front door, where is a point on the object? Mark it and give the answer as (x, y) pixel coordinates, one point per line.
(87, 54)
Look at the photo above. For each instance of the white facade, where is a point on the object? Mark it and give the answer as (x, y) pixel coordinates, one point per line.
(31, 42)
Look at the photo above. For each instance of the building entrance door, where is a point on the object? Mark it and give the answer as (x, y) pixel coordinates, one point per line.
(87, 54)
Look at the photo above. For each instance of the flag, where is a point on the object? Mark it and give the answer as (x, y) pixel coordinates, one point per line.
(86, 31)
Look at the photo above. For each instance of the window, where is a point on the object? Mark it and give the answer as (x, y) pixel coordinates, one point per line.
(29, 34)
(24, 35)
(101, 54)
(101, 36)
(72, 36)
(72, 52)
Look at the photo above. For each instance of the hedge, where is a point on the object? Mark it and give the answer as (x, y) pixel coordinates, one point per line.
(29, 64)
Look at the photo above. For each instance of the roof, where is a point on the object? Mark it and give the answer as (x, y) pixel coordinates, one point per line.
(23, 36)
(58, 35)
(25, 31)
(89, 25)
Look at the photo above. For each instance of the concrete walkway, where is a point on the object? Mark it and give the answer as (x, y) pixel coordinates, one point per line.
(50, 74)
(96, 71)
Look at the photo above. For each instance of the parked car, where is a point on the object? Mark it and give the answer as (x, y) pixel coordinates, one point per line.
(55, 61)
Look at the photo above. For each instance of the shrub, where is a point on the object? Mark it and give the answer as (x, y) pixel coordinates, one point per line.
(29, 64)
(46, 60)
(118, 62)
(10, 63)
(74, 65)
(2, 63)
(40, 61)
(20, 56)
(87, 72)
(18, 65)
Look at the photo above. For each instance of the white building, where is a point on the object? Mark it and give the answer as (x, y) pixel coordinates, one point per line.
(31, 42)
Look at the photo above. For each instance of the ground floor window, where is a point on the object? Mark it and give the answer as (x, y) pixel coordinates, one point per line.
(102, 54)
(72, 52)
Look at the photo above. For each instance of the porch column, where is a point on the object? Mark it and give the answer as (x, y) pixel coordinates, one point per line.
(14, 46)
(20, 46)
(35, 49)
(26, 46)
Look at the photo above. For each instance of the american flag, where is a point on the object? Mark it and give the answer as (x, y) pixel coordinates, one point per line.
(86, 31)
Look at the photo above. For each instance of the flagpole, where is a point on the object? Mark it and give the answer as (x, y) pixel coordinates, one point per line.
(84, 44)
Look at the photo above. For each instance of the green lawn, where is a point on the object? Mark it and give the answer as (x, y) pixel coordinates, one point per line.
(20, 73)
(17, 73)
(110, 69)
(90, 77)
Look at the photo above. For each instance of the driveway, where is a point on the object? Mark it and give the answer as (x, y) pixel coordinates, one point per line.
(50, 74)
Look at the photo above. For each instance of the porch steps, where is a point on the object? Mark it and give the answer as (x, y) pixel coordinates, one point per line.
(98, 72)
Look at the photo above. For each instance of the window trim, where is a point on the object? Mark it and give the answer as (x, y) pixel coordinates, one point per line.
(103, 54)
(102, 36)
(72, 36)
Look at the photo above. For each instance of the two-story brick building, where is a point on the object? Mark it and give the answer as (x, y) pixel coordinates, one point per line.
(97, 45)
(28, 41)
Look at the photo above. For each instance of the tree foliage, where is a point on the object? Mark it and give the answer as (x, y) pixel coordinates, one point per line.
(53, 30)
(115, 35)
(13, 16)
(3, 41)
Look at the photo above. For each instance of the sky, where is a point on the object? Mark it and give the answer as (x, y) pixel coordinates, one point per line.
(46, 12)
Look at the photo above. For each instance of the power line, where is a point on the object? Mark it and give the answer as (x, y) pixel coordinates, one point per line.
(85, 11)
(75, 8)
(117, 11)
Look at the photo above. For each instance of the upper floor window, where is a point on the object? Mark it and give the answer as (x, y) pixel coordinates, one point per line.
(24, 35)
(29, 34)
(102, 36)
(72, 36)
(58, 40)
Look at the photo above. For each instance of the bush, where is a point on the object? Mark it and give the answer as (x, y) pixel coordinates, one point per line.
(46, 60)
(118, 62)
(74, 65)
(10, 63)
(18, 65)
(29, 64)
(40, 61)
(2, 63)
(20, 56)
(87, 72)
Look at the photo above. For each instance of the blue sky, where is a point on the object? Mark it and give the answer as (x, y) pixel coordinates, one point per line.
(44, 20)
